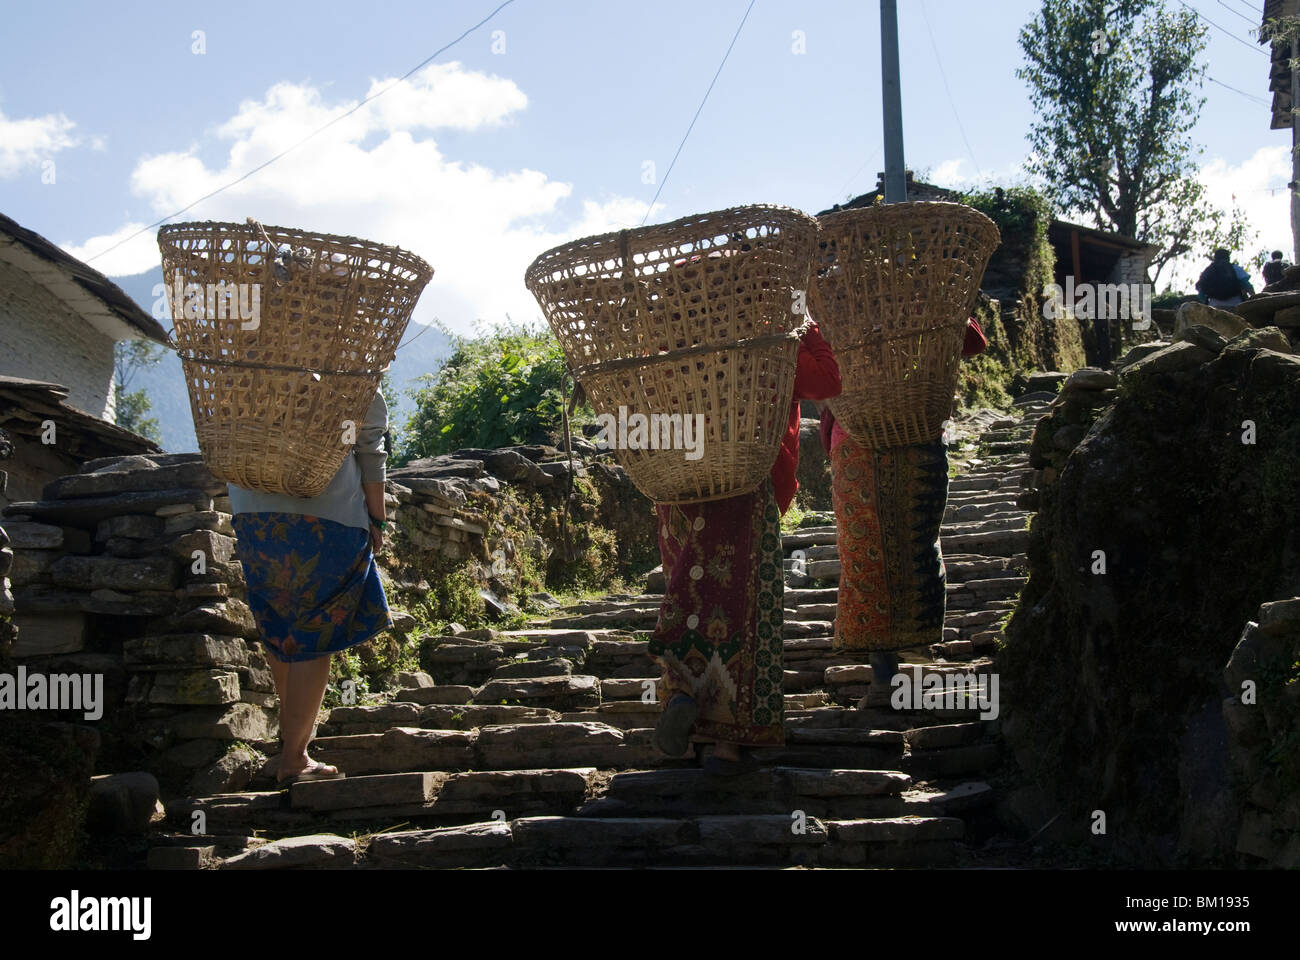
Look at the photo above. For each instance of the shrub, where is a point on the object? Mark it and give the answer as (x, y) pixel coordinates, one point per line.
(493, 391)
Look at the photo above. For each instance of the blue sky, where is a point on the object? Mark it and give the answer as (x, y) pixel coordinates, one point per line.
(491, 156)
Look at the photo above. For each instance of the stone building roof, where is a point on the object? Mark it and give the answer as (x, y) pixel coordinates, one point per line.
(26, 404)
(85, 290)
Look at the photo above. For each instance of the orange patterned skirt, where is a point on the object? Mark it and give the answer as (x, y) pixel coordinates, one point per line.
(888, 509)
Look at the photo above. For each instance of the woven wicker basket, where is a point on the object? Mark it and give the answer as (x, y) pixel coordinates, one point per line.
(690, 318)
(892, 290)
(271, 395)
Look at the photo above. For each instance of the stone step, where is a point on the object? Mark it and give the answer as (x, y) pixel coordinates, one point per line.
(975, 759)
(963, 797)
(775, 839)
(772, 790)
(947, 735)
(433, 797)
(808, 537)
(556, 693)
(993, 543)
(507, 746)
(993, 509)
(798, 598)
(983, 498)
(862, 673)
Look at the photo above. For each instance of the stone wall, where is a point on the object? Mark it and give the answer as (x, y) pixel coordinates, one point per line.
(127, 570)
(1167, 517)
(517, 520)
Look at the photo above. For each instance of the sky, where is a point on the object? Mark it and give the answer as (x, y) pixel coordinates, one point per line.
(557, 119)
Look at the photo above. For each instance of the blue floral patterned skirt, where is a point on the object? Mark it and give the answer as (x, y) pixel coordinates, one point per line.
(313, 585)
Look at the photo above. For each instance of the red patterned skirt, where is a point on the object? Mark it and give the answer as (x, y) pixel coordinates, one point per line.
(719, 634)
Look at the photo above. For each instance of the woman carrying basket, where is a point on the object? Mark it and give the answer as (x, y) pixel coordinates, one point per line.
(889, 506)
(313, 585)
(718, 639)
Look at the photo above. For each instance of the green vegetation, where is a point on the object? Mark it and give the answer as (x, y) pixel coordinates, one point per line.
(131, 410)
(499, 390)
(1021, 339)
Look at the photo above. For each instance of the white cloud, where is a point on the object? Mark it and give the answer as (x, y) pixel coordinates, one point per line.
(959, 174)
(27, 142)
(379, 174)
(1253, 186)
(126, 259)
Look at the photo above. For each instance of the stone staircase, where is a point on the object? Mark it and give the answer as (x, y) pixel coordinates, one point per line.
(534, 747)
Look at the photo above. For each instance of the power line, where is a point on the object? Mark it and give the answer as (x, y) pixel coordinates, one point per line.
(938, 59)
(1245, 43)
(1253, 9)
(319, 130)
(1253, 23)
(1249, 96)
(697, 112)
(854, 176)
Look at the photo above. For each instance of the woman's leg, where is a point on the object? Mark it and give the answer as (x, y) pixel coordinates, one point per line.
(301, 688)
(307, 611)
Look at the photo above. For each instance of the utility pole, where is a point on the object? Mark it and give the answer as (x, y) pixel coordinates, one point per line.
(895, 174)
(1294, 64)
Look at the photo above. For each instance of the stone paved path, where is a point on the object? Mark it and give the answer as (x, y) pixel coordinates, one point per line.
(533, 747)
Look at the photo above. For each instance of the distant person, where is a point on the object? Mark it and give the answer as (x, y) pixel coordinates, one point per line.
(1223, 283)
(1274, 269)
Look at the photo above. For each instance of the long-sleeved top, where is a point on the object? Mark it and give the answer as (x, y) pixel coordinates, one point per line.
(343, 500)
(817, 377)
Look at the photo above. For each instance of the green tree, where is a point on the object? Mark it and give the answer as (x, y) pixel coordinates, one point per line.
(1113, 84)
(497, 390)
(133, 406)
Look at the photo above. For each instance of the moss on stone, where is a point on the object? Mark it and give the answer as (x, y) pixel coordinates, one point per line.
(1104, 673)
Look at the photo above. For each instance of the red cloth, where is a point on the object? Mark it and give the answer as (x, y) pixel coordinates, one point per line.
(975, 343)
(817, 377)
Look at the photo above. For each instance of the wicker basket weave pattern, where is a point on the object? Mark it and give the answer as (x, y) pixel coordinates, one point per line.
(693, 318)
(271, 395)
(892, 289)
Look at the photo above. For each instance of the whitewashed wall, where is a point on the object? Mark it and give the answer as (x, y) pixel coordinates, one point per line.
(41, 339)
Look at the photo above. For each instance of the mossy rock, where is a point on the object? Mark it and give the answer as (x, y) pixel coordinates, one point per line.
(1168, 526)
(44, 792)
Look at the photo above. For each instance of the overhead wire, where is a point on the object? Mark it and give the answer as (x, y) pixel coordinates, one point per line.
(319, 130)
(944, 76)
(686, 135)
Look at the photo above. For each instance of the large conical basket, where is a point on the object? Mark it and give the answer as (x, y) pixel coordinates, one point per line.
(283, 335)
(694, 322)
(893, 286)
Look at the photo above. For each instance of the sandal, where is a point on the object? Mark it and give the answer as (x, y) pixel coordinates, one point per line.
(314, 771)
